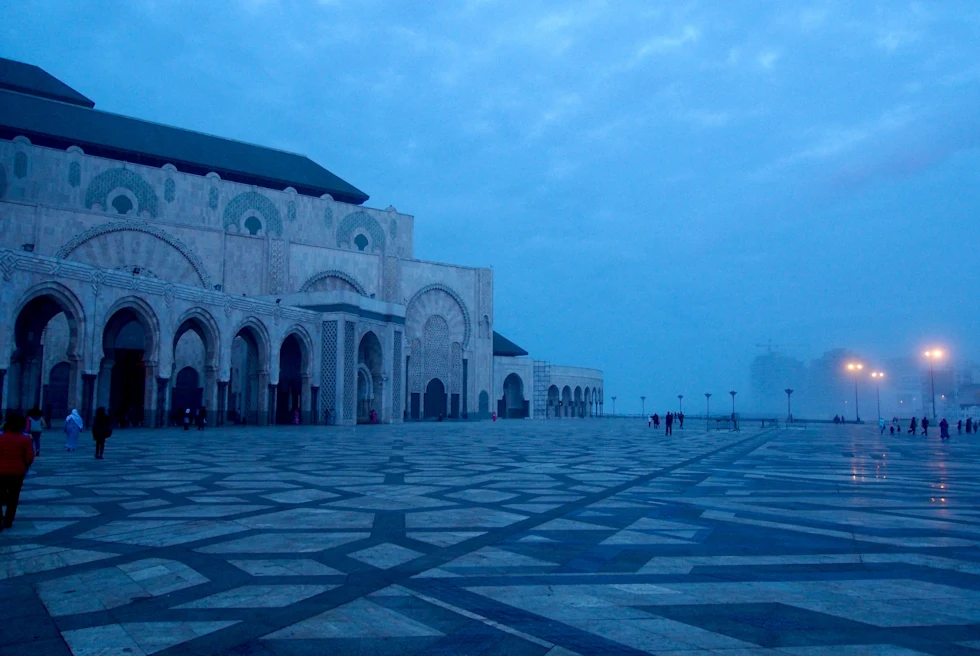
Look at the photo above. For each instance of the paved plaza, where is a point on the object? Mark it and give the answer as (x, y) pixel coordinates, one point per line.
(515, 537)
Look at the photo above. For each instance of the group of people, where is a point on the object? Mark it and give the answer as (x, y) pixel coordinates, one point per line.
(669, 420)
(914, 425)
(198, 418)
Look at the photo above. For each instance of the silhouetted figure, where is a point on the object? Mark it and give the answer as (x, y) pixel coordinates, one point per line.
(959, 427)
(101, 431)
(16, 456)
(969, 425)
(670, 424)
(913, 426)
(944, 429)
(650, 422)
(201, 418)
(925, 426)
(891, 430)
(881, 425)
(656, 420)
(680, 416)
(35, 426)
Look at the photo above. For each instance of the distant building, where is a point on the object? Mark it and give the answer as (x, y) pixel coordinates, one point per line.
(772, 374)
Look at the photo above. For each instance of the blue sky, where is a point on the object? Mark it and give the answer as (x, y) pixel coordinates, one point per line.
(658, 186)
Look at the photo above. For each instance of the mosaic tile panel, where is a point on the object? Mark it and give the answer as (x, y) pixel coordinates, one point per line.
(169, 190)
(360, 221)
(252, 200)
(101, 185)
(74, 174)
(350, 366)
(396, 377)
(213, 198)
(328, 370)
(415, 367)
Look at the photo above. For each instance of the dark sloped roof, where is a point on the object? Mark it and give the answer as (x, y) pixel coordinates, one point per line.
(26, 78)
(61, 124)
(504, 347)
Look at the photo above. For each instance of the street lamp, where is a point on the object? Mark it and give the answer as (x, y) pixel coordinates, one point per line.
(707, 405)
(680, 402)
(789, 408)
(933, 355)
(877, 376)
(855, 367)
(734, 423)
(614, 406)
(643, 402)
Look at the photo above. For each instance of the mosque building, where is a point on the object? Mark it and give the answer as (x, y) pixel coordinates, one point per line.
(150, 269)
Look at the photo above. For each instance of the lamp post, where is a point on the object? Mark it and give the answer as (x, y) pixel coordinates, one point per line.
(789, 407)
(614, 406)
(680, 403)
(933, 355)
(734, 423)
(643, 405)
(877, 376)
(707, 405)
(855, 367)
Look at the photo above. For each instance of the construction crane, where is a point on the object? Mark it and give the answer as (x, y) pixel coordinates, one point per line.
(769, 346)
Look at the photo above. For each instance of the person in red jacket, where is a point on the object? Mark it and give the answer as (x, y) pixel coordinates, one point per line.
(16, 456)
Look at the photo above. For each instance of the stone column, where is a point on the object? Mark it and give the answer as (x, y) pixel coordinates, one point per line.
(163, 386)
(305, 404)
(88, 398)
(104, 391)
(210, 395)
(314, 402)
(221, 415)
(263, 414)
(272, 403)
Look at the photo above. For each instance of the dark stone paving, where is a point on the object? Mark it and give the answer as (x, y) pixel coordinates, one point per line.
(515, 537)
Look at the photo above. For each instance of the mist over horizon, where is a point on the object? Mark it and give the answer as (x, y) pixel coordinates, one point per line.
(659, 189)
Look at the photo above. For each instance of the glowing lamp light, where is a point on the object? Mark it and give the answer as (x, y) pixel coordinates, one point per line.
(855, 366)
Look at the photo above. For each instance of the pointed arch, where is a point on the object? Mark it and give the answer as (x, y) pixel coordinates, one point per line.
(252, 200)
(104, 183)
(333, 273)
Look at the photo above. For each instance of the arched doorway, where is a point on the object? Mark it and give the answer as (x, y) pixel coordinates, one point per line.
(370, 363)
(512, 405)
(434, 404)
(46, 334)
(484, 403)
(127, 346)
(249, 373)
(195, 347)
(566, 401)
(289, 396)
(577, 408)
(553, 399)
(186, 393)
(587, 401)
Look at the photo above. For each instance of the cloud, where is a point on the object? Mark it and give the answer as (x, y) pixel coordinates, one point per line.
(664, 43)
(767, 59)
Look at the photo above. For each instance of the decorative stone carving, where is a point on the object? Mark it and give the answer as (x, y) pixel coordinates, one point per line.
(169, 190)
(251, 200)
(291, 211)
(101, 185)
(360, 221)
(455, 368)
(213, 198)
(74, 174)
(350, 366)
(109, 228)
(277, 266)
(438, 299)
(396, 378)
(391, 279)
(328, 216)
(328, 369)
(435, 349)
(415, 367)
(333, 273)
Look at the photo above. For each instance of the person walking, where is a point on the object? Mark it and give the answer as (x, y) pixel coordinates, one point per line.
(670, 424)
(656, 420)
(925, 426)
(969, 425)
(913, 426)
(73, 426)
(35, 425)
(101, 431)
(944, 429)
(202, 418)
(680, 416)
(187, 419)
(881, 425)
(16, 456)
(959, 427)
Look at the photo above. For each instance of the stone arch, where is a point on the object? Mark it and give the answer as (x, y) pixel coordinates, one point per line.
(104, 183)
(200, 321)
(305, 343)
(66, 302)
(153, 258)
(147, 318)
(370, 363)
(554, 396)
(363, 223)
(438, 299)
(566, 401)
(587, 399)
(254, 328)
(252, 200)
(322, 276)
(512, 397)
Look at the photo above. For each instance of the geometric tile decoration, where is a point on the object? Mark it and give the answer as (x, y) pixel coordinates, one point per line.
(530, 537)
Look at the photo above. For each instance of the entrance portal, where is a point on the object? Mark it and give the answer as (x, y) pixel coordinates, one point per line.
(435, 400)
(124, 343)
(289, 395)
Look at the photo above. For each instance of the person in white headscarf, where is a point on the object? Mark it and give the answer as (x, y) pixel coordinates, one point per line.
(73, 426)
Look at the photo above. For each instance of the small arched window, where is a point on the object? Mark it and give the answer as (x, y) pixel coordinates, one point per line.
(253, 225)
(122, 204)
(361, 242)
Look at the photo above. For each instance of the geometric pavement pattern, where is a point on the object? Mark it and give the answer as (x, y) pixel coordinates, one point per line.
(515, 537)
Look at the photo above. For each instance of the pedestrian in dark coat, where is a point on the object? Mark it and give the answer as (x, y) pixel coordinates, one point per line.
(969, 425)
(913, 426)
(959, 427)
(944, 429)
(925, 426)
(101, 430)
(670, 424)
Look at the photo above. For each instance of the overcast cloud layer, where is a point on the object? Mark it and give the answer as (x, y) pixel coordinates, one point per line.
(658, 186)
